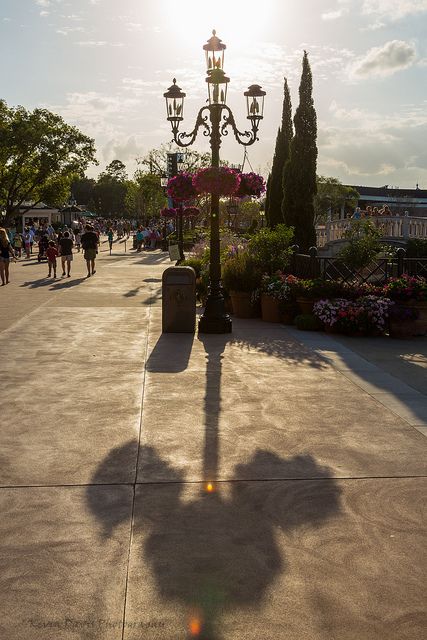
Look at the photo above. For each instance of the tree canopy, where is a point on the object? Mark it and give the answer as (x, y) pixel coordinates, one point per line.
(40, 155)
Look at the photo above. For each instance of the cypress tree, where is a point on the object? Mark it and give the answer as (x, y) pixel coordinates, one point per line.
(281, 154)
(299, 176)
(267, 200)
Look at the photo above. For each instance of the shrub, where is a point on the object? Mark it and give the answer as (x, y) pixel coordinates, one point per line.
(241, 273)
(416, 248)
(270, 248)
(363, 244)
(196, 263)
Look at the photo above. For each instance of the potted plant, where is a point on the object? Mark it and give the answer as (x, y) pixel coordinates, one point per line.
(310, 291)
(403, 321)
(180, 188)
(220, 181)
(241, 277)
(277, 302)
(251, 184)
(412, 292)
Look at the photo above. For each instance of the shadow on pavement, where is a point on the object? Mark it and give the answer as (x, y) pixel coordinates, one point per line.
(219, 550)
(54, 284)
(170, 356)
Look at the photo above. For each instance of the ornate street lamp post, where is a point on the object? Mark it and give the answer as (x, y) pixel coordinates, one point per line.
(214, 118)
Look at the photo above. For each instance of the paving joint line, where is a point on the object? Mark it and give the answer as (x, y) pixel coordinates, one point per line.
(132, 519)
(202, 482)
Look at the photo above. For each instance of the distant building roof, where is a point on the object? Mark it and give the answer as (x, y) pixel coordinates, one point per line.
(390, 192)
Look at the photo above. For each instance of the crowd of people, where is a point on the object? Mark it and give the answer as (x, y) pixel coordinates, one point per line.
(374, 212)
(58, 245)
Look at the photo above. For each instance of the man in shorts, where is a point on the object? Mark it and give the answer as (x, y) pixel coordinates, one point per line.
(90, 247)
(66, 252)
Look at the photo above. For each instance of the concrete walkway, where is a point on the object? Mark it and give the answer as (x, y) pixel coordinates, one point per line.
(264, 485)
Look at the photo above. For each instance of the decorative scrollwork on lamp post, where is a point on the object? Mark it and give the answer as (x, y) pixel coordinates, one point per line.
(215, 119)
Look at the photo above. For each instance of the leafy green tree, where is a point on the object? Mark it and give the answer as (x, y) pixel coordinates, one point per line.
(299, 177)
(154, 162)
(117, 170)
(111, 189)
(145, 196)
(331, 196)
(40, 156)
(83, 190)
(273, 211)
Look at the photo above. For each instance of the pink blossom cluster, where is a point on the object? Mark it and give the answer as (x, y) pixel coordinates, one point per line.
(180, 188)
(251, 184)
(220, 181)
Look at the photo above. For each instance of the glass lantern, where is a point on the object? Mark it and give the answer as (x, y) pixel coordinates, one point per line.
(214, 51)
(217, 86)
(174, 103)
(255, 103)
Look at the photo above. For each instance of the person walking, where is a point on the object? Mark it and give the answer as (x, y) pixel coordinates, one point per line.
(51, 254)
(6, 253)
(66, 252)
(17, 244)
(110, 236)
(90, 246)
(78, 239)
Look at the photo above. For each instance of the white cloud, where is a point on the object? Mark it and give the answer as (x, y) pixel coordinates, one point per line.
(394, 9)
(334, 14)
(384, 61)
(368, 144)
(99, 43)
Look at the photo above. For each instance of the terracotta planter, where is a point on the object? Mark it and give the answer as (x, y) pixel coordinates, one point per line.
(242, 306)
(421, 321)
(306, 305)
(270, 309)
(330, 328)
(403, 329)
(289, 312)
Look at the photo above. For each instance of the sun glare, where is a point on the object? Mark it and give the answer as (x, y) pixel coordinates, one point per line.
(234, 20)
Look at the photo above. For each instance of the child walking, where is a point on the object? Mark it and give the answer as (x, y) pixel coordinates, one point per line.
(52, 254)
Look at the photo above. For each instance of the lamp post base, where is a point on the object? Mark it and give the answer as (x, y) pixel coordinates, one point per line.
(215, 319)
(221, 324)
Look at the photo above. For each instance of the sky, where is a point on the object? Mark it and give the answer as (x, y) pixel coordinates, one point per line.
(105, 64)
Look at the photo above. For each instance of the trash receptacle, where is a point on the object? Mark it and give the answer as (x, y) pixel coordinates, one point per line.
(134, 243)
(179, 300)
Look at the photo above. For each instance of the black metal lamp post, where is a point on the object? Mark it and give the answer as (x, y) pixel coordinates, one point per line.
(215, 118)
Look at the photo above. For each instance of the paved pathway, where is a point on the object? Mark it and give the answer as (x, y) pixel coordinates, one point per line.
(267, 484)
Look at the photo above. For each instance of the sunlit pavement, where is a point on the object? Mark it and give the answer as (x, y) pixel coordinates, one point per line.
(267, 484)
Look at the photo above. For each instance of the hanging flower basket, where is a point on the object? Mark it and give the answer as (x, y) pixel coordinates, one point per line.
(168, 213)
(180, 187)
(251, 184)
(220, 181)
(191, 212)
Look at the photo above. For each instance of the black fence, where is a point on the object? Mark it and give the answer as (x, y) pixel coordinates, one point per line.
(311, 265)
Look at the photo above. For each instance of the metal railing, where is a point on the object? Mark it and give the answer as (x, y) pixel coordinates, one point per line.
(311, 265)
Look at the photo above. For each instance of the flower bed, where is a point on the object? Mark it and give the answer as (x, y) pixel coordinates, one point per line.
(367, 315)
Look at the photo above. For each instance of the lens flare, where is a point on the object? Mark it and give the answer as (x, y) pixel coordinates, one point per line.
(195, 627)
(209, 487)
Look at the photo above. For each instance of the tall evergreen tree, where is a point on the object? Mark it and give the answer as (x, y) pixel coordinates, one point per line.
(281, 154)
(267, 200)
(299, 176)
